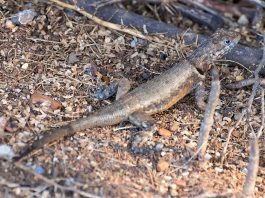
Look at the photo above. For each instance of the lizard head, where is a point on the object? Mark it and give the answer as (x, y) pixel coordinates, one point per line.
(219, 44)
(222, 41)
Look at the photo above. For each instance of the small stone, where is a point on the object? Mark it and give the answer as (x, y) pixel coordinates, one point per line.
(185, 174)
(180, 183)
(207, 156)
(39, 169)
(69, 109)
(174, 126)
(134, 42)
(164, 132)
(173, 192)
(244, 170)
(243, 20)
(72, 58)
(159, 146)
(163, 189)
(173, 186)
(217, 154)
(6, 151)
(25, 66)
(218, 170)
(107, 39)
(239, 77)
(70, 181)
(162, 165)
(24, 17)
(10, 25)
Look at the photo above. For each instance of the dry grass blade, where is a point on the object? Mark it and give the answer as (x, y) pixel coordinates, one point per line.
(53, 183)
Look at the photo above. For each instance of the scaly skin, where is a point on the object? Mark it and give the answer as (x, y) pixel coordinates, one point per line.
(156, 95)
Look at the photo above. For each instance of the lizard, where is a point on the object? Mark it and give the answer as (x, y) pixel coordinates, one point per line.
(156, 95)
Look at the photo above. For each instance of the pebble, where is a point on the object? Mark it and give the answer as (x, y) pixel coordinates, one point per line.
(163, 153)
(174, 126)
(159, 146)
(72, 58)
(25, 66)
(243, 20)
(180, 183)
(218, 170)
(39, 169)
(164, 132)
(6, 151)
(173, 192)
(162, 165)
(207, 156)
(10, 25)
(24, 17)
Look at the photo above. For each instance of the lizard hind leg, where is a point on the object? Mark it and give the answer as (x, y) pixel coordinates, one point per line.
(147, 124)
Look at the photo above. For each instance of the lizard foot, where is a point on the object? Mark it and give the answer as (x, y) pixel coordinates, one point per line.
(146, 123)
(138, 142)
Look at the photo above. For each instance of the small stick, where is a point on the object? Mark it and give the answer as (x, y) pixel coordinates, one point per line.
(253, 167)
(262, 114)
(244, 83)
(207, 123)
(253, 164)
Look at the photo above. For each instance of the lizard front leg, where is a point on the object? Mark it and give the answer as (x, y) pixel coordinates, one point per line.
(145, 122)
(200, 95)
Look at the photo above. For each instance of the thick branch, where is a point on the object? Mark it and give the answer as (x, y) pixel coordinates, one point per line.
(250, 57)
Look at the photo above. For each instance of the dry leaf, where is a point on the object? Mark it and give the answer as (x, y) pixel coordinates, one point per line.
(40, 99)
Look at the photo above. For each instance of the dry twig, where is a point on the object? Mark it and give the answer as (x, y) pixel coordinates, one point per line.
(253, 165)
(244, 83)
(207, 123)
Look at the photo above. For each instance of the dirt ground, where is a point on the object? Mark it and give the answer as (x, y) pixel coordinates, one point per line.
(66, 57)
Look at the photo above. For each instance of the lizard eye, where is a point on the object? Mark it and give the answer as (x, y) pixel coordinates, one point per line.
(227, 42)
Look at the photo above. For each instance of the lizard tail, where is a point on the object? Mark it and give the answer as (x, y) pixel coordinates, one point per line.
(94, 120)
(48, 137)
